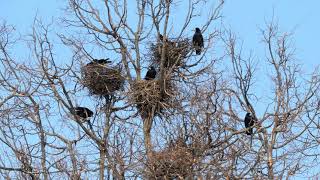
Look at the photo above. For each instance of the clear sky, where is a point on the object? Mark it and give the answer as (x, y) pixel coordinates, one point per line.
(244, 17)
(302, 17)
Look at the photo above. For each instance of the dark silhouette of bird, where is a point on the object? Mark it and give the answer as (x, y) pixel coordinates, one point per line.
(83, 112)
(169, 43)
(160, 37)
(100, 61)
(151, 73)
(197, 41)
(249, 122)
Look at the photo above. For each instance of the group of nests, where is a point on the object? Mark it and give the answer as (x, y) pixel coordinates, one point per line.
(151, 95)
(176, 161)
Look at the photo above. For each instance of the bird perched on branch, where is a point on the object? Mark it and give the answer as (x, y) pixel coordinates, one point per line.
(83, 112)
(151, 73)
(197, 41)
(249, 122)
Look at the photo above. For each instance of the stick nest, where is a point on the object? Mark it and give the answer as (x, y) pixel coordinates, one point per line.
(174, 162)
(176, 52)
(101, 80)
(148, 98)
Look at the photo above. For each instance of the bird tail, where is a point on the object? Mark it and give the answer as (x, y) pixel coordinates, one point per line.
(198, 51)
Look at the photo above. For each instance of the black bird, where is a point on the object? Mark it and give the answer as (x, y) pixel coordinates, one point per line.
(160, 37)
(151, 73)
(249, 122)
(197, 41)
(100, 61)
(167, 41)
(83, 112)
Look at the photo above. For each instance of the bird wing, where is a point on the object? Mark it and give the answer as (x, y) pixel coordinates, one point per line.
(201, 41)
(195, 39)
(247, 121)
(148, 74)
(252, 121)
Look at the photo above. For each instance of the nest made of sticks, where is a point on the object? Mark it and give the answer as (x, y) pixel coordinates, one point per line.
(174, 162)
(176, 52)
(146, 94)
(101, 80)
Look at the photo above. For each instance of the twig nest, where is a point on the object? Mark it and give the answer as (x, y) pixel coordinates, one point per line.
(100, 79)
(147, 96)
(176, 52)
(174, 162)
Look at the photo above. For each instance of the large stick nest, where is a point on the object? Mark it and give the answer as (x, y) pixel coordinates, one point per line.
(176, 52)
(100, 79)
(174, 162)
(146, 94)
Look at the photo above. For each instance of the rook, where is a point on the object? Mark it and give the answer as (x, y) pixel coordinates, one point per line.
(249, 123)
(197, 41)
(151, 73)
(83, 112)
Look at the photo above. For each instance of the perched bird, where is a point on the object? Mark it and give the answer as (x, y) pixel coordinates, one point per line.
(151, 73)
(160, 37)
(197, 41)
(100, 61)
(249, 122)
(170, 43)
(83, 112)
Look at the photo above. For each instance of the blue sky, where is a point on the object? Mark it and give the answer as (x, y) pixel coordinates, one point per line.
(21, 13)
(244, 17)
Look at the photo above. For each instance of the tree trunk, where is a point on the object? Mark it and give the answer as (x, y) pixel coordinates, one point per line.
(102, 161)
(147, 124)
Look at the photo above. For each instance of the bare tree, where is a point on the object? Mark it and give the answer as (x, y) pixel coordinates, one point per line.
(187, 123)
